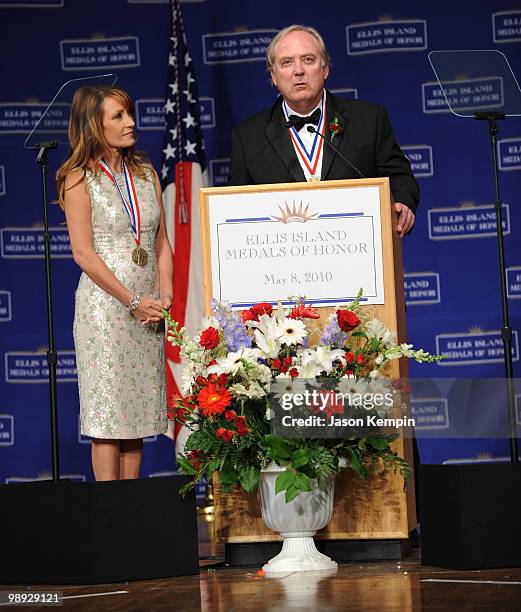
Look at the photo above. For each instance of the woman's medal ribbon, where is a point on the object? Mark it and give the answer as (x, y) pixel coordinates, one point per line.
(131, 205)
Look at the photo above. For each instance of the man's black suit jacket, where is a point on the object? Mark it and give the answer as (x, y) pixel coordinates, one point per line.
(262, 151)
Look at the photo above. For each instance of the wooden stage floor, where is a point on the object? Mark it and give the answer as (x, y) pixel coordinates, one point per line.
(357, 587)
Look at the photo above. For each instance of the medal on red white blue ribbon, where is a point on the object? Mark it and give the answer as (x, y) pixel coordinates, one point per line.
(131, 205)
(310, 159)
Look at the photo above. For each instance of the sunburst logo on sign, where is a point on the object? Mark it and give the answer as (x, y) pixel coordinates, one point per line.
(476, 329)
(294, 213)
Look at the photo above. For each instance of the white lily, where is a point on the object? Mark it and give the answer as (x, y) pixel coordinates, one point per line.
(322, 357)
(232, 363)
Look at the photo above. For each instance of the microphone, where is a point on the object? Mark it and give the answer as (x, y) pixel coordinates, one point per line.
(313, 130)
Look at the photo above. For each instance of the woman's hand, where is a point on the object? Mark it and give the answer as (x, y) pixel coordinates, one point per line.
(148, 310)
(166, 301)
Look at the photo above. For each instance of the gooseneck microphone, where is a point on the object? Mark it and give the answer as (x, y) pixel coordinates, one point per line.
(313, 130)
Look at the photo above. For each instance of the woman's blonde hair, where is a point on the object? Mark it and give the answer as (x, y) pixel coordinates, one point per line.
(87, 140)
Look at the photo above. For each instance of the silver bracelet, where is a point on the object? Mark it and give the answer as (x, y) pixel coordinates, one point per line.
(134, 303)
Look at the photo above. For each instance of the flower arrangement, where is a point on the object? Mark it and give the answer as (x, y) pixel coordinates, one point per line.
(238, 358)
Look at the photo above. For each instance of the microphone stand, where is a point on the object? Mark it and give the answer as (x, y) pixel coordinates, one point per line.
(313, 130)
(506, 330)
(52, 357)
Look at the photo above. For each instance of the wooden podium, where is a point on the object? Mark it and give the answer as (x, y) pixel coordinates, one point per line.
(375, 515)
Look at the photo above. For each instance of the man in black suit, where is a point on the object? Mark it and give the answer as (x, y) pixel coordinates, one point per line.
(266, 150)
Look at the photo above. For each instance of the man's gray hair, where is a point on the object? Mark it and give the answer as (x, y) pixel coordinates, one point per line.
(270, 51)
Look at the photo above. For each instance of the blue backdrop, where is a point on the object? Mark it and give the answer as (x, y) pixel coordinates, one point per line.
(379, 52)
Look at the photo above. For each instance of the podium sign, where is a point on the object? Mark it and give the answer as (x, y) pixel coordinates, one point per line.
(264, 243)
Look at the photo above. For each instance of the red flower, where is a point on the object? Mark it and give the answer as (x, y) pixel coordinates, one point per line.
(213, 399)
(247, 315)
(276, 363)
(256, 311)
(241, 426)
(288, 361)
(360, 359)
(201, 381)
(293, 372)
(262, 308)
(209, 338)
(219, 432)
(350, 357)
(230, 415)
(193, 458)
(347, 320)
(303, 312)
(228, 435)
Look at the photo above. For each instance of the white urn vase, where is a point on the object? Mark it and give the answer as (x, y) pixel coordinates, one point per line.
(297, 522)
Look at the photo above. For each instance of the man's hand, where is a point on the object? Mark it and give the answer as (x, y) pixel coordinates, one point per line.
(405, 219)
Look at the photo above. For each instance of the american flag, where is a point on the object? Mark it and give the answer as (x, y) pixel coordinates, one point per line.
(183, 171)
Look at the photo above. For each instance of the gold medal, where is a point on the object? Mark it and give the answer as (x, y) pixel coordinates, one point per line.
(140, 256)
(313, 179)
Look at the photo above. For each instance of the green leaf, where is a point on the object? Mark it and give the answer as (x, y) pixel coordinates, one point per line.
(358, 334)
(213, 465)
(284, 481)
(356, 464)
(374, 344)
(277, 447)
(378, 443)
(186, 466)
(300, 457)
(250, 479)
(291, 493)
(302, 482)
(228, 474)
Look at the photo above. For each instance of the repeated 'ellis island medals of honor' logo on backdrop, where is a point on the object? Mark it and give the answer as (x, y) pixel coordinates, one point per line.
(100, 53)
(420, 158)
(22, 117)
(463, 94)
(430, 413)
(509, 153)
(219, 171)
(422, 288)
(514, 282)
(27, 242)
(150, 113)
(506, 26)
(346, 92)
(466, 221)
(474, 347)
(386, 35)
(6, 430)
(31, 367)
(235, 47)
(5, 306)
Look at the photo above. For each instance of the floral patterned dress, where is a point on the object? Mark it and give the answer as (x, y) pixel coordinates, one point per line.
(121, 364)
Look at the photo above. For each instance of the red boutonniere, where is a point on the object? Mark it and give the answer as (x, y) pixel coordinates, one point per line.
(335, 128)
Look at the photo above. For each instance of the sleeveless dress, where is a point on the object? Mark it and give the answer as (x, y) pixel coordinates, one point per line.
(121, 364)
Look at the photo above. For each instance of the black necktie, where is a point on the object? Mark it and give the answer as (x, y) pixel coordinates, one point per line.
(299, 122)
